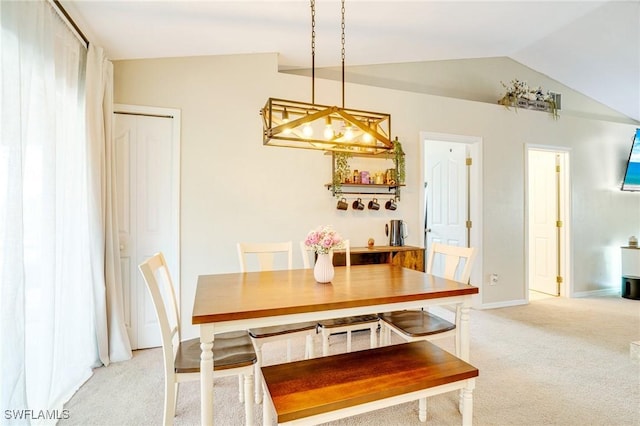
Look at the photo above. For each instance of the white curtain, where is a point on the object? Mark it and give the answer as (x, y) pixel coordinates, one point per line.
(48, 228)
(112, 338)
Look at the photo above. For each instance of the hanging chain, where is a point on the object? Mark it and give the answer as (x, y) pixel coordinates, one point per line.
(313, 51)
(342, 53)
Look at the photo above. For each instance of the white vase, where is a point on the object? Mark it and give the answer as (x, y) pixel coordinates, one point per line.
(323, 270)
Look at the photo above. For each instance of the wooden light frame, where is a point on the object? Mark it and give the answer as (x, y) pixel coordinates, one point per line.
(283, 122)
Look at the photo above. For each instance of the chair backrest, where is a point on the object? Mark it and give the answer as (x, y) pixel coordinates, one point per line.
(306, 252)
(156, 275)
(452, 256)
(346, 245)
(265, 253)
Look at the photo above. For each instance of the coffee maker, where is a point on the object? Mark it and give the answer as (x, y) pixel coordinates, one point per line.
(397, 232)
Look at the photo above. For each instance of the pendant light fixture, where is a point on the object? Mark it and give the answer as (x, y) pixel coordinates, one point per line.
(306, 125)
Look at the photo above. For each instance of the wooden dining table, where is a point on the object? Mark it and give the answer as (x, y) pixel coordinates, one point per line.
(240, 301)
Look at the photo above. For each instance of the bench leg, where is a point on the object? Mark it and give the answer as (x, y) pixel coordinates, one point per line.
(422, 409)
(467, 405)
(267, 411)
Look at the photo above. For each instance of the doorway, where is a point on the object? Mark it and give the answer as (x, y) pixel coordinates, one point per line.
(548, 231)
(451, 171)
(147, 142)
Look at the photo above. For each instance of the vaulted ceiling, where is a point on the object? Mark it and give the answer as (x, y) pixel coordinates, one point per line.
(592, 47)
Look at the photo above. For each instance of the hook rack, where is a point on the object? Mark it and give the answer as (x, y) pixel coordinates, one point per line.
(392, 190)
(367, 196)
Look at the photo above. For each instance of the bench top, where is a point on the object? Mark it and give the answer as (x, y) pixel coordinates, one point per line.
(320, 385)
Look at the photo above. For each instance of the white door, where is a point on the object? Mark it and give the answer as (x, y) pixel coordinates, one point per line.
(148, 180)
(446, 194)
(543, 217)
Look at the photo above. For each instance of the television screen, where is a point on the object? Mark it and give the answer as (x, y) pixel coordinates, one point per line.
(631, 180)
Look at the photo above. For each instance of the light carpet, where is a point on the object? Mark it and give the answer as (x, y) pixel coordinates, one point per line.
(555, 361)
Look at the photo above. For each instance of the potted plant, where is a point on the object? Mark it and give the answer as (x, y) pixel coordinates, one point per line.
(340, 172)
(519, 94)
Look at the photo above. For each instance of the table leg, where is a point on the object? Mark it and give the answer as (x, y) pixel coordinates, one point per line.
(206, 374)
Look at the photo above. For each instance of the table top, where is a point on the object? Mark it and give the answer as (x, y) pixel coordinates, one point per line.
(227, 297)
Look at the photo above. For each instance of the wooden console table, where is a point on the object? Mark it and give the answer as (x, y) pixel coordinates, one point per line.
(405, 256)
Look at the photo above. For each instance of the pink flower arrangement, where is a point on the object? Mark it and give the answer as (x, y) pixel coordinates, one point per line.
(323, 239)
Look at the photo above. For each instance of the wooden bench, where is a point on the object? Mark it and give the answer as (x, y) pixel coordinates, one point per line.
(324, 389)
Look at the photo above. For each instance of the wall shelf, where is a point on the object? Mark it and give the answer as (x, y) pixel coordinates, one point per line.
(363, 189)
(367, 189)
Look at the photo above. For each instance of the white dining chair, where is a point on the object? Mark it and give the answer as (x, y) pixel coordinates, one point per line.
(413, 325)
(307, 255)
(266, 254)
(346, 324)
(233, 353)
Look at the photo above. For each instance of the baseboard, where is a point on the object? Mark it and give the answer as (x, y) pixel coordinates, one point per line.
(505, 304)
(594, 293)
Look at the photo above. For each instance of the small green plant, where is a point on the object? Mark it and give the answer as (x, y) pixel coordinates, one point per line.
(340, 172)
(398, 160)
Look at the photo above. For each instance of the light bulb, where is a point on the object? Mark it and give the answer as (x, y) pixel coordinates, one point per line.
(328, 129)
(307, 130)
(348, 133)
(367, 137)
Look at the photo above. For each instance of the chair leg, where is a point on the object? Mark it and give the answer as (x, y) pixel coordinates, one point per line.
(385, 335)
(258, 373)
(457, 335)
(175, 400)
(240, 389)
(374, 341)
(288, 350)
(348, 341)
(248, 393)
(309, 349)
(170, 394)
(422, 409)
(325, 341)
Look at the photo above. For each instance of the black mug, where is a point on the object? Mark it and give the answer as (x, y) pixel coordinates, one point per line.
(390, 205)
(358, 204)
(342, 204)
(374, 205)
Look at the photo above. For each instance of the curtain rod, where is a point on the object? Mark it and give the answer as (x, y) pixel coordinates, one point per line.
(65, 16)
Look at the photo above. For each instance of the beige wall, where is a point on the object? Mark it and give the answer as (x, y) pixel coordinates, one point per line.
(234, 189)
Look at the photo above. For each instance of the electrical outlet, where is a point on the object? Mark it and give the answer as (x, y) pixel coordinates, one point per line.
(494, 279)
